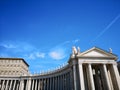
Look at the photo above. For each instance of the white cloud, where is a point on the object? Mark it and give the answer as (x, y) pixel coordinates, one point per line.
(61, 50)
(8, 45)
(35, 55)
(76, 40)
(17, 46)
(57, 54)
(40, 54)
(28, 51)
(31, 56)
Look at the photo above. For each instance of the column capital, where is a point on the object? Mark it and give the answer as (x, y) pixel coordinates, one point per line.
(80, 61)
(114, 64)
(89, 64)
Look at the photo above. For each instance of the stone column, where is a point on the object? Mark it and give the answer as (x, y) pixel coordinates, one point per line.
(82, 86)
(0, 84)
(7, 85)
(22, 84)
(106, 77)
(39, 84)
(33, 84)
(117, 76)
(109, 75)
(67, 81)
(17, 86)
(53, 84)
(71, 80)
(14, 85)
(29, 84)
(58, 83)
(50, 83)
(42, 84)
(63, 81)
(10, 84)
(113, 77)
(90, 72)
(74, 77)
(3, 86)
(44, 81)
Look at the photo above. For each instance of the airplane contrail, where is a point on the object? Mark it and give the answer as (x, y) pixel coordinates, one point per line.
(106, 28)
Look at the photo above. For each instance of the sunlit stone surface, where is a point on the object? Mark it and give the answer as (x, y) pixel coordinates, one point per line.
(94, 69)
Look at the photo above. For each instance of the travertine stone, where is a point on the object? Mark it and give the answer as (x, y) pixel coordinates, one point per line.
(91, 77)
(74, 77)
(106, 77)
(82, 85)
(117, 76)
(94, 69)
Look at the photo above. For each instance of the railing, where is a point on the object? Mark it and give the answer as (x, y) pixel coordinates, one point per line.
(58, 69)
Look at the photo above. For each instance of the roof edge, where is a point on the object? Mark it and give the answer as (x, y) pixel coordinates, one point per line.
(15, 59)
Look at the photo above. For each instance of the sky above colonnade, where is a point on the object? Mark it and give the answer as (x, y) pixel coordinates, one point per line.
(44, 31)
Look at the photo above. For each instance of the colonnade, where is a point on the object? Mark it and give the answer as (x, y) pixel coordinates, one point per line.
(9, 84)
(58, 81)
(80, 76)
(61, 82)
(97, 76)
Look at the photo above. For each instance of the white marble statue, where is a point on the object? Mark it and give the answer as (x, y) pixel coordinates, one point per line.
(110, 50)
(74, 50)
(78, 49)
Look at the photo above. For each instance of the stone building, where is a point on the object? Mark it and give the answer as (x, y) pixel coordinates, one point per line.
(13, 67)
(94, 69)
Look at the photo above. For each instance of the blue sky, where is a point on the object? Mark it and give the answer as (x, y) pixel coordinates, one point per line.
(43, 32)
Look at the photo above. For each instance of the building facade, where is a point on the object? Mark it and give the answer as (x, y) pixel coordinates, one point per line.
(94, 69)
(13, 67)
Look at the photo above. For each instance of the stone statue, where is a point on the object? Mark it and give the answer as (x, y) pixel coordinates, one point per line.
(74, 50)
(110, 50)
(78, 49)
